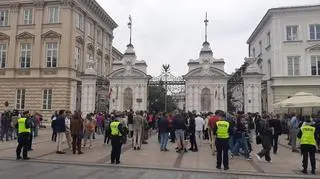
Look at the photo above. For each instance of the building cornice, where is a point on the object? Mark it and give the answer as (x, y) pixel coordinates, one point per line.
(99, 12)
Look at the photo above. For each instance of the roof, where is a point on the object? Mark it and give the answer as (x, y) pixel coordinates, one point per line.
(271, 12)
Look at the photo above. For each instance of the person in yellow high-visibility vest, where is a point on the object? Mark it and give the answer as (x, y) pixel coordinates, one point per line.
(222, 131)
(307, 135)
(24, 129)
(116, 133)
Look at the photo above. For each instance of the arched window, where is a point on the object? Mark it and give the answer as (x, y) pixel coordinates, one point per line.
(127, 99)
(205, 100)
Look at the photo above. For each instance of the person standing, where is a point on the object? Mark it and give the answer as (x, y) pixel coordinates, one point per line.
(276, 124)
(76, 130)
(192, 133)
(53, 126)
(179, 125)
(265, 134)
(222, 131)
(130, 123)
(307, 135)
(90, 125)
(68, 132)
(24, 129)
(107, 122)
(199, 128)
(116, 133)
(294, 123)
(137, 126)
(60, 129)
(163, 129)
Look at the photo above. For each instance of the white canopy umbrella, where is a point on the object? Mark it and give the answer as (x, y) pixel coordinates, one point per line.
(299, 100)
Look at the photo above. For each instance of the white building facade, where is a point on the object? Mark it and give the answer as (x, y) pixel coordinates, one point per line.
(128, 83)
(287, 44)
(206, 83)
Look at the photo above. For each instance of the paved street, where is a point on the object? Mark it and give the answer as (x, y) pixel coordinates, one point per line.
(154, 162)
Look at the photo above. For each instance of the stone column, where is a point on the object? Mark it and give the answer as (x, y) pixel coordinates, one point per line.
(252, 92)
(73, 96)
(88, 95)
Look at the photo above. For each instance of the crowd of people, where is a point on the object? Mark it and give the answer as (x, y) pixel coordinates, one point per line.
(228, 135)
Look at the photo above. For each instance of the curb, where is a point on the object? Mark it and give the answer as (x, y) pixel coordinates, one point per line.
(241, 173)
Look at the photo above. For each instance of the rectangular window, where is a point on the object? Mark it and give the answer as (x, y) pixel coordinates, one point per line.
(25, 55)
(292, 32)
(99, 36)
(79, 21)
(260, 47)
(52, 54)
(53, 15)
(77, 57)
(314, 31)
(315, 65)
(3, 55)
(4, 17)
(294, 66)
(90, 29)
(20, 100)
(268, 39)
(28, 16)
(47, 99)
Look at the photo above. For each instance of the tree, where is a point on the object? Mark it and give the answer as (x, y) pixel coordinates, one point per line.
(156, 95)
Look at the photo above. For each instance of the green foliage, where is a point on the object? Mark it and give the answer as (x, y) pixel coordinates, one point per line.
(156, 97)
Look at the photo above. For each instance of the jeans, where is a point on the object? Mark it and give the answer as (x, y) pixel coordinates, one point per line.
(193, 141)
(164, 137)
(275, 143)
(265, 152)
(76, 143)
(241, 142)
(294, 133)
(231, 143)
(59, 141)
(137, 134)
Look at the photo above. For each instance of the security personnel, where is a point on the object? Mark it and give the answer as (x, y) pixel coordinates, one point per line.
(24, 129)
(222, 130)
(307, 136)
(116, 133)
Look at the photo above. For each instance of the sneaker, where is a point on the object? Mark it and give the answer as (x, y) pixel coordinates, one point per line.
(226, 168)
(313, 172)
(166, 150)
(217, 167)
(138, 148)
(79, 153)
(270, 161)
(117, 162)
(19, 158)
(304, 171)
(259, 158)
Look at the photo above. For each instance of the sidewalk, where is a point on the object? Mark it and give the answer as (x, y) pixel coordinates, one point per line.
(285, 162)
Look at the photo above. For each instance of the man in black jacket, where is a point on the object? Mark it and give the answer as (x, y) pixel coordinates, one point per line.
(60, 129)
(277, 128)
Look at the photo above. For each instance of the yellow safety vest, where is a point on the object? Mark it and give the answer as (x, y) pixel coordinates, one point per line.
(22, 126)
(115, 128)
(307, 136)
(222, 129)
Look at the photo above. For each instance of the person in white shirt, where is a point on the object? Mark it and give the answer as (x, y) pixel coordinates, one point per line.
(199, 128)
(68, 131)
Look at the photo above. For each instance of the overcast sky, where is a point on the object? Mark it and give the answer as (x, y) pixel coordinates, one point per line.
(172, 31)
